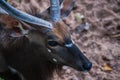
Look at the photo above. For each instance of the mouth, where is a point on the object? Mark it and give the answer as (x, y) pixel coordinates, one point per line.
(85, 68)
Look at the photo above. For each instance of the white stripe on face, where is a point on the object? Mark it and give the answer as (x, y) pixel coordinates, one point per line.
(69, 45)
(49, 50)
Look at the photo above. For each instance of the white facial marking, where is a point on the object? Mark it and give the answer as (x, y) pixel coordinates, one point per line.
(73, 42)
(69, 45)
(48, 50)
(54, 60)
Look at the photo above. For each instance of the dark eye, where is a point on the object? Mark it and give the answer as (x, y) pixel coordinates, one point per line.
(52, 43)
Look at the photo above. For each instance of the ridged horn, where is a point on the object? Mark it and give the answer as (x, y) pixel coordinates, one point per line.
(55, 12)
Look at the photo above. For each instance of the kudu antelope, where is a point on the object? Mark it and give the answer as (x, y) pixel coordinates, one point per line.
(32, 47)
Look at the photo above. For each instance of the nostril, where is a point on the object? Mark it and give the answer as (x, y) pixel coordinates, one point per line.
(88, 66)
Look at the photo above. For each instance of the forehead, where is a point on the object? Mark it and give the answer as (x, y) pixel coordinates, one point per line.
(61, 31)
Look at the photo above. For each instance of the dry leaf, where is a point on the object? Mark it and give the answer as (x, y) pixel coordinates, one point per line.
(107, 67)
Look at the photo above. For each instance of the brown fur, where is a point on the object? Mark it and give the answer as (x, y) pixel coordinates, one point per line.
(24, 55)
(8, 21)
(61, 31)
(32, 66)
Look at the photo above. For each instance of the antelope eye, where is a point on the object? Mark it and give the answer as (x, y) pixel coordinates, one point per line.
(52, 43)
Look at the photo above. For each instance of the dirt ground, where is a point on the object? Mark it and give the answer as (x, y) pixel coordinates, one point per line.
(101, 43)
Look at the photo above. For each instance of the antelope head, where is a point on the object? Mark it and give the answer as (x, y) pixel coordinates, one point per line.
(52, 35)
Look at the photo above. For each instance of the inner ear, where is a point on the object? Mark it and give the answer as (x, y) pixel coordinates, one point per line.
(19, 29)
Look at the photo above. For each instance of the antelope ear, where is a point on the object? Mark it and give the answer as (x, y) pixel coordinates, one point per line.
(21, 29)
(46, 13)
(66, 7)
(17, 28)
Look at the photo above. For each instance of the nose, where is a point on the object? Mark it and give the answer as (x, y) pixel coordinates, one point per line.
(87, 66)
